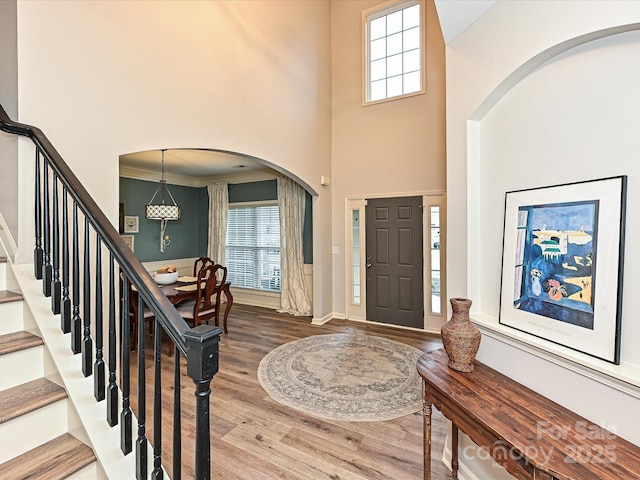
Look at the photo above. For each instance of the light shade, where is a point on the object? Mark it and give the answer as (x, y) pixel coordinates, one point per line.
(162, 212)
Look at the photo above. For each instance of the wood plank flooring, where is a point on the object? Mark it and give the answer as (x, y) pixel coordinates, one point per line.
(254, 437)
(55, 460)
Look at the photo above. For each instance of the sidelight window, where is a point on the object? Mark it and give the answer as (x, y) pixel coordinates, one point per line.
(434, 247)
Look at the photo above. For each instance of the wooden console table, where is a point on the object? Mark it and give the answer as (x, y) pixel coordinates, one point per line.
(528, 434)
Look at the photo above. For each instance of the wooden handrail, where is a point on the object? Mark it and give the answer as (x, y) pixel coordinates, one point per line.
(165, 312)
(198, 345)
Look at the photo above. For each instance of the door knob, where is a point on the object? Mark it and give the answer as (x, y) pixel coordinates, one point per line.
(368, 265)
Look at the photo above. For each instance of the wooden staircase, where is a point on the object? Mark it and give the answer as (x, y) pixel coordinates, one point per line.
(36, 417)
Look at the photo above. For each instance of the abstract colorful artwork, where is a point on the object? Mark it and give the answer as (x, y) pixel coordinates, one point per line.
(555, 261)
(562, 264)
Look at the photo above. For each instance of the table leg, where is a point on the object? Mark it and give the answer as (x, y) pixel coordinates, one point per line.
(426, 415)
(454, 451)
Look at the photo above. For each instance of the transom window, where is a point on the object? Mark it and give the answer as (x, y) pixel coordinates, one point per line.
(253, 247)
(394, 50)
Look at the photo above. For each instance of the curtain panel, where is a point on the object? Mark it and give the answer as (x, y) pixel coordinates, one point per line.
(294, 291)
(218, 211)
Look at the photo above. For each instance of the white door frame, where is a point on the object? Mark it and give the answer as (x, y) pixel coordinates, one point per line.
(357, 311)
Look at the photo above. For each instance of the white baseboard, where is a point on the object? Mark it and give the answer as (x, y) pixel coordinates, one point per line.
(321, 320)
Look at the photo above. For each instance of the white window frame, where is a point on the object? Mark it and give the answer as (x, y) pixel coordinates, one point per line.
(267, 203)
(379, 11)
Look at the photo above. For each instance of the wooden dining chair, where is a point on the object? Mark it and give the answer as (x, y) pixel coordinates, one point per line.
(147, 314)
(207, 301)
(201, 263)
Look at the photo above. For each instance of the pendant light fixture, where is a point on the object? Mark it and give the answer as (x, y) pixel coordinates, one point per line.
(162, 210)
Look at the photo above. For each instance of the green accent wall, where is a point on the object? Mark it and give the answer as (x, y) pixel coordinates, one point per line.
(188, 235)
(307, 230)
(253, 191)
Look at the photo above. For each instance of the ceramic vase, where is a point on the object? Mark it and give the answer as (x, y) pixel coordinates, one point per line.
(460, 337)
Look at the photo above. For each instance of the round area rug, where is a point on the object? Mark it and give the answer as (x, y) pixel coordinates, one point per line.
(344, 377)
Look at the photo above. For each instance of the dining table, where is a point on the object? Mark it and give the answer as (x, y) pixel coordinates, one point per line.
(185, 289)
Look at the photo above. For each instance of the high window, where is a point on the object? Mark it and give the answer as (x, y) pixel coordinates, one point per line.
(253, 247)
(394, 50)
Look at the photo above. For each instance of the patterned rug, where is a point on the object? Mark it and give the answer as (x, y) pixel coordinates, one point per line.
(353, 378)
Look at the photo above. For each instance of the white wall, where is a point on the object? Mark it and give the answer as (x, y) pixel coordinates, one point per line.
(105, 78)
(576, 113)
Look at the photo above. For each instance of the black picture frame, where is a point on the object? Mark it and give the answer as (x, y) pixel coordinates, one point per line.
(563, 263)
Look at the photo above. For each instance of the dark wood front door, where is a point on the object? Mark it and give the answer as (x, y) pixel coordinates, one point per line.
(394, 261)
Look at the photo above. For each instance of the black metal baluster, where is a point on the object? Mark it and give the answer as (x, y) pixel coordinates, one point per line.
(87, 342)
(76, 321)
(125, 415)
(47, 274)
(112, 388)
(202, 365)
(56, 291)
(65, 307)
(141, 441)
(157, 474)
(37, 251)
(177, 420)
(99, 367)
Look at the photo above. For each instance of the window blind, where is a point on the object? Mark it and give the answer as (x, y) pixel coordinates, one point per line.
(253, 247)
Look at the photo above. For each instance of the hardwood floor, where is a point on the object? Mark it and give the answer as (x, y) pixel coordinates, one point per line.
(254, 437)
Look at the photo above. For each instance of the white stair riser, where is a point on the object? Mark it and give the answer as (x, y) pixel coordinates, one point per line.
(11, 317)
(3, 275)
(28, 431)
(90, 472)
(21, 367)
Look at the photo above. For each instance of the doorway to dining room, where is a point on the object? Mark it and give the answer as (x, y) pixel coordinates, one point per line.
(251, 184)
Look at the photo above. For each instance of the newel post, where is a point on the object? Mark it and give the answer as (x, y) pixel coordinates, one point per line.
(202, 365)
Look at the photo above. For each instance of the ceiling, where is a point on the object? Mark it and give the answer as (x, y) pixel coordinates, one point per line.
(191, 162)
(455, 16)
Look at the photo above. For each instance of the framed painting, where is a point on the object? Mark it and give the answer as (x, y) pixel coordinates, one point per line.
(131, 224)
(128, 239)
(562, 264)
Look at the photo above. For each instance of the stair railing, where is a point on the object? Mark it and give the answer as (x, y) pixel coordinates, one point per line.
(66, 264)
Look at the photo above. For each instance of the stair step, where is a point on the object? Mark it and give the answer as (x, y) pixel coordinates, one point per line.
(28, 397)
(7, 296)
(21, 349)
(11, 311)
(14, 342)
(56, 459)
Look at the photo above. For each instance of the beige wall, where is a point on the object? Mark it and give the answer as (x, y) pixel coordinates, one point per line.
(105, 78)
(9, 100)
(391, 148)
